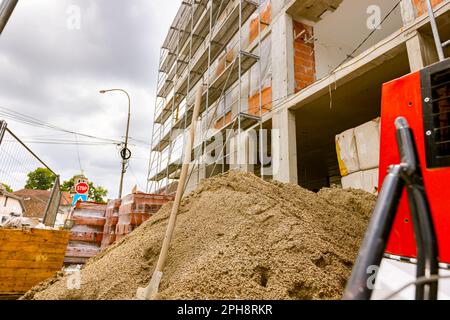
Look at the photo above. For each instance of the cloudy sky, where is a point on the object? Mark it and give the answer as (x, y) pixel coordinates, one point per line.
(52, 70)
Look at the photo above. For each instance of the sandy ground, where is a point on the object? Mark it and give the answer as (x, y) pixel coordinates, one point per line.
(237, 237)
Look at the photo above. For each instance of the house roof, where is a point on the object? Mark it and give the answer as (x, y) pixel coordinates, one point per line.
(41, 194)
(35, 201)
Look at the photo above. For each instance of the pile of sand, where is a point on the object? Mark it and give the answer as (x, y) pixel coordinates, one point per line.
(237, 237)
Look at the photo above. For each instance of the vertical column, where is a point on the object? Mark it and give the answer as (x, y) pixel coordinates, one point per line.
(284, 144)
(283, 81)
(421, 49)
(242, 151)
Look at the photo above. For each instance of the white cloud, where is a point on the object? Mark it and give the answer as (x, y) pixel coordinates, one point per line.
(52, 73)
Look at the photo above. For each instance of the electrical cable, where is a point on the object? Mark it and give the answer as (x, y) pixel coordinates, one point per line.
(418, 281)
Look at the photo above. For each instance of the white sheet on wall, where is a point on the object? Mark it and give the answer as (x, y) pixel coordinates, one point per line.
(348, 151)
(368, 144)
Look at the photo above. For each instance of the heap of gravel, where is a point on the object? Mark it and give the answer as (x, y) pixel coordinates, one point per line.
(237, 237)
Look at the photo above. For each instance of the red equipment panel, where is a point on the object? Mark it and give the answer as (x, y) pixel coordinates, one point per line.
(405, 97)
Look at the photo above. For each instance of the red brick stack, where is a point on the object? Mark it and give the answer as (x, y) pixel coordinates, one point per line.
(304, 57)
(112, 217)
(135, 209)
(86, 234)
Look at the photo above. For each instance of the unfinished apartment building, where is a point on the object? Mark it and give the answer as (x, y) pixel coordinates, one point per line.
(291, 74)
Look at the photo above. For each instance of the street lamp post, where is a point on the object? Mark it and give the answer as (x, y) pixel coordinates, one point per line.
(124, 153)
(6, 9)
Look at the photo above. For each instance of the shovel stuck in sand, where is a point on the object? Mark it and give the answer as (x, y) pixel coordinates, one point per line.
(151, 291)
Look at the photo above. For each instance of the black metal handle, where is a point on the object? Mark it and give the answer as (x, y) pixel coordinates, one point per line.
(406, 174)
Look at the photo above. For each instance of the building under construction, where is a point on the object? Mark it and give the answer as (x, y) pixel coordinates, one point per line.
(281, 79)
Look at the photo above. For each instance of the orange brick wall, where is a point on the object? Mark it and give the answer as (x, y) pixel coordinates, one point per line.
(253, 102)
(421, 6)
(223, 121)
(266, 19)
(304, 59)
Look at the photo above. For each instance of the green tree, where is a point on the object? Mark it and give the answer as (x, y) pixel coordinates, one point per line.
(40, 179)
(96, 193)
(7, 188)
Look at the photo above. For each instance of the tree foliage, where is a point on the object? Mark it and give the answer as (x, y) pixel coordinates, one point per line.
(7, 188)
(96, 193)
(40, 179)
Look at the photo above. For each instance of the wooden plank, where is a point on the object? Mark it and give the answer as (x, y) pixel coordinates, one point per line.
(26, 247)
(50, 236)
(23, 272)
(33, 265)
(34, 261)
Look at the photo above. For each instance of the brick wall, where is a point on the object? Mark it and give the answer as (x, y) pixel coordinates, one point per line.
(304, 59)
(421, 6)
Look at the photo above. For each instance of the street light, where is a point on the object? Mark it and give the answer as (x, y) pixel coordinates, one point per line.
(125, 154)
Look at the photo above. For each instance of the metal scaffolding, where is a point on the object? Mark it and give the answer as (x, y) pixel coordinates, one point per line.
(203, 33)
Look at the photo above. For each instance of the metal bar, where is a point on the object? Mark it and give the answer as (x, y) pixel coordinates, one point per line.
(6, 9)
(29, 150)
(261, 146)
(446, 43)
(3, 126)
(50, 215)
(435, 30)
(431, 262)
(377, 235)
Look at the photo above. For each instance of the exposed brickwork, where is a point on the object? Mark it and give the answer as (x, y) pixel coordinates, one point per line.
(421, 6)
(266, 19)
(253, 102)
(304, 58)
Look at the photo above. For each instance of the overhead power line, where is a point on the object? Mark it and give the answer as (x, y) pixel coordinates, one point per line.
(31, 121)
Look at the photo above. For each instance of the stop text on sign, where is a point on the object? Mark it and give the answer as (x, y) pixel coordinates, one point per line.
(82, 188)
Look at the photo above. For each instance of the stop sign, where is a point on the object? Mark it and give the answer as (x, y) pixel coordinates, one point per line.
(82, 188)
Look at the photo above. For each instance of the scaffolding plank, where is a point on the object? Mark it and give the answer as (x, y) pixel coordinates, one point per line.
(225, 80)
(168, 62)
(227, 29)
(231, 74)
(166, 111)
(222, 34)
(163, 173)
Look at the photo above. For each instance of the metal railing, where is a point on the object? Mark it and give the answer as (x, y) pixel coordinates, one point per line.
(17, 161)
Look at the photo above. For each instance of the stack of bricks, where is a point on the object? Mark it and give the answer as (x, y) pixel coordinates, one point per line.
(304, 57)
(112, 218)
(137, 208)
(86, 235)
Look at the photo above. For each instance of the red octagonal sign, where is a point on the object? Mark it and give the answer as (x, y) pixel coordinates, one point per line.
(82, 188)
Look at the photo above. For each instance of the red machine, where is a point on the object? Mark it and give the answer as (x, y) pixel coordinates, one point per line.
(411, 218)
(423, 99)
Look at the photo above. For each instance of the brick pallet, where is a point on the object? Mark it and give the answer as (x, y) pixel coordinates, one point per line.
(137, 208)
(112, 218)
(86, 234)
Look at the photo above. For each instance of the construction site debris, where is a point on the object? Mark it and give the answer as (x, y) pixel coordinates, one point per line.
(87, 232)
(112, 217)
(237, 237)
(135, 209)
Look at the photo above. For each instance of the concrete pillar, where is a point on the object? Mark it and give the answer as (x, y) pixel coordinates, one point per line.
(240, 152)
(284, 146)
(283, 81)
(421, 48)
(421, 51)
